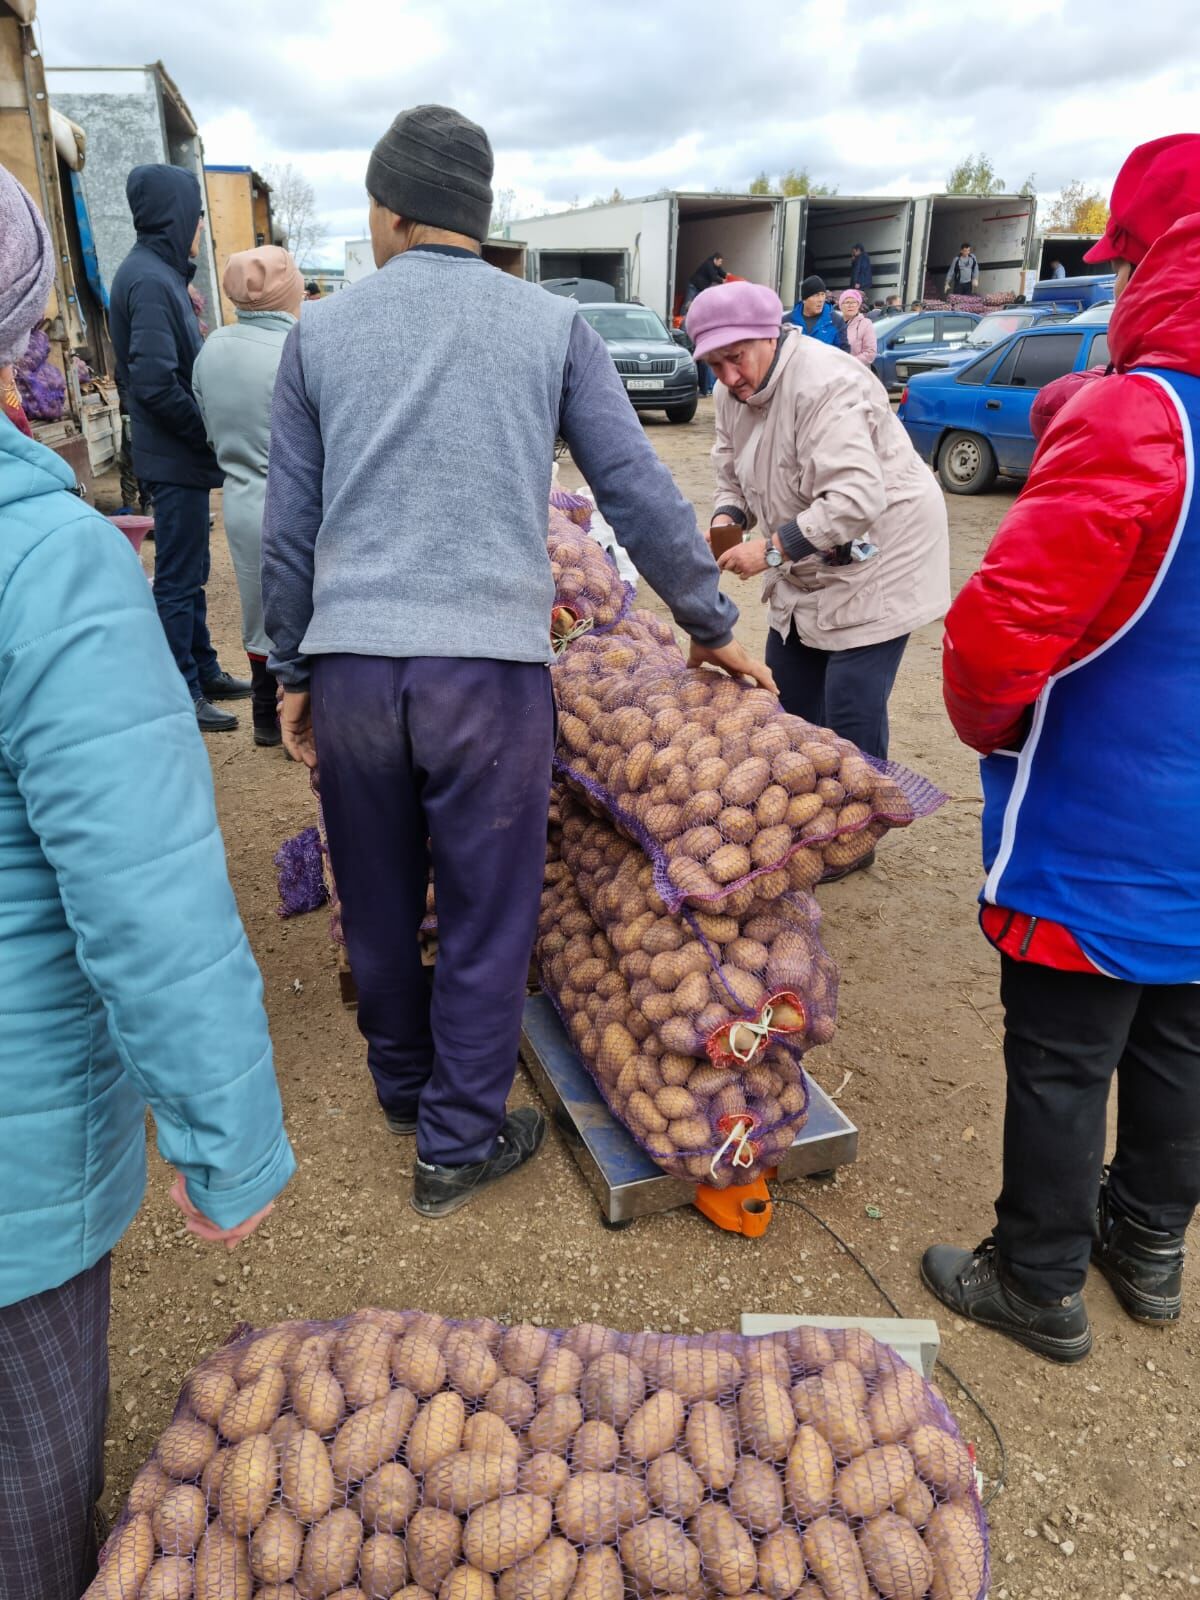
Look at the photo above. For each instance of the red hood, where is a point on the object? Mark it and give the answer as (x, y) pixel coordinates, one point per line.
(1155, 322)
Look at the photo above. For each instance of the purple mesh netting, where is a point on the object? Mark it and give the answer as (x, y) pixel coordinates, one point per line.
(301, 865)
(42, 387)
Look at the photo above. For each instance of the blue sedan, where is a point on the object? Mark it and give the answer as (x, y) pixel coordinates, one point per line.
(911, 333)
(973, 423)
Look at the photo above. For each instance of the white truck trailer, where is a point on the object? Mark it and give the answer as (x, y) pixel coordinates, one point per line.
(819, 231)
(507, 254)
(999, 229)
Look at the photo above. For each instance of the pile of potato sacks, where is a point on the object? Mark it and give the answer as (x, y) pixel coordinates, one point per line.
(401, 1456)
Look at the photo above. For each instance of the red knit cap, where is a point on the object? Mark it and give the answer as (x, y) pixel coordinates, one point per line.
(1159, 183)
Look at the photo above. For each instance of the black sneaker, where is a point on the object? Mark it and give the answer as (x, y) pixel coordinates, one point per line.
(437, 1191)
(213, 721)
(1143, 1266)
(401, 1122)
(971, 1284)
(226, 687)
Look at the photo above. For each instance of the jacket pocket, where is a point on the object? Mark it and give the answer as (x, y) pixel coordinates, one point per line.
(850, 596)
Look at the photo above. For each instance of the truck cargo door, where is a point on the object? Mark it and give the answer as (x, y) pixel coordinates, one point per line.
(795, 215)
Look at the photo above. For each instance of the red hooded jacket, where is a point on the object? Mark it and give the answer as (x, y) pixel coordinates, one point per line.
(1078, 551)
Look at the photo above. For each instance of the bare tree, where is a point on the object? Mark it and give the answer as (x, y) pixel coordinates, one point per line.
(502, 210)
(294, 209)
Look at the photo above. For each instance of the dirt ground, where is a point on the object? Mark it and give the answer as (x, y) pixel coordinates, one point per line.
(1103, 1491)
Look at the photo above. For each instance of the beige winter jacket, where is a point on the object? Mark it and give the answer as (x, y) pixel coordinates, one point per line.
(820, 443)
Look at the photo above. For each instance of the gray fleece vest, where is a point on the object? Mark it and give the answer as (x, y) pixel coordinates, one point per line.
(438, 384)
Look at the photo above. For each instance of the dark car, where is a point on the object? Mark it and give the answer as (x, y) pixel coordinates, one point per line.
(658, 374)
(991, 328)
(974, 423)
(911, 333)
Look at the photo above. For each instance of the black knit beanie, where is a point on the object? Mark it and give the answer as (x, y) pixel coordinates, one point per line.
(434, 165)
(812, 285)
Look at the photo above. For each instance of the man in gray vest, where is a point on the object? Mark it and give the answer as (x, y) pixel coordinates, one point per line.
(407, 589)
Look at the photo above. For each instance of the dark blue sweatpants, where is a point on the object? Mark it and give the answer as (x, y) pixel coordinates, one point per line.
(181, 567)
(846, 690)
(456, 753)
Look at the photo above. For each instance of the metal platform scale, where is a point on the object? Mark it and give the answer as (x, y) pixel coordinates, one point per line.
(625, 1181)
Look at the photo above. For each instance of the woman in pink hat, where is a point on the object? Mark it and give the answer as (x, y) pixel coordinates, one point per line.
(849, 526)
(860, 331)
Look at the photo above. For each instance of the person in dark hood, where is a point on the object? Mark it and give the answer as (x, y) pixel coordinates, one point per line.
(156, 339)
(861, 275)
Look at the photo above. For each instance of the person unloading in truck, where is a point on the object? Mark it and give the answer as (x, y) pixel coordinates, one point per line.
(408, 590)
(1057, 270)
(156, 337)
(711, 270)
(861, 273)
(963, 276)
(1072, 664)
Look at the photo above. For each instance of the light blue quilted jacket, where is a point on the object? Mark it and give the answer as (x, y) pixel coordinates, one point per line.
(125, 975)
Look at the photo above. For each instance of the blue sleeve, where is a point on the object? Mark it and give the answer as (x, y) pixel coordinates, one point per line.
(96, 726)
(153, 364)
(292, 516)
(637, 494)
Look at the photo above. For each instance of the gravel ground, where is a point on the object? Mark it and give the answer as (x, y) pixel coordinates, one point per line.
(1103, 1491)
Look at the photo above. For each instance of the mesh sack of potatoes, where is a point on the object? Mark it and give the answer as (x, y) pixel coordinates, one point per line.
(401, 1456)
(723, 986)
(589, 593)
(718, 785)
(698, 1121)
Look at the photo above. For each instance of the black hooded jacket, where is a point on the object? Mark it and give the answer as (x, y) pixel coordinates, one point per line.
(706, 275)
(155, 332)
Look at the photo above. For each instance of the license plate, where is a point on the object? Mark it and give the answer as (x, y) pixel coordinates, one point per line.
(645, 383)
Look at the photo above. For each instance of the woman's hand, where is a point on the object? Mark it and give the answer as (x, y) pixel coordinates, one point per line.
(745, 560)
(295, 723)
(197, 1223)
(735, 660)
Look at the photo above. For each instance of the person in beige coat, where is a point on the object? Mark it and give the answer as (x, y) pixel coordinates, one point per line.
(854, 541)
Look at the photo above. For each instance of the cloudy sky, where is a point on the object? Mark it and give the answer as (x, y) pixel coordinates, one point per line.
(646, 94)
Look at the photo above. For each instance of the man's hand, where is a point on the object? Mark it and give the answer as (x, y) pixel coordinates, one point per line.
(295, 722)
(199, 1224)
(723, 521)
(734, 660)
(745, 560)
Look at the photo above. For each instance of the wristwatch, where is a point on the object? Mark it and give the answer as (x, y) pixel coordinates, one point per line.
(774, 557)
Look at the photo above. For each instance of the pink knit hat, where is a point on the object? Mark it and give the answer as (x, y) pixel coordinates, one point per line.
(729, 312)
(850, 297)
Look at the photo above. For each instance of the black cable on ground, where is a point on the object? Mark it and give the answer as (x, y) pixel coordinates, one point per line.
(1001, 1476)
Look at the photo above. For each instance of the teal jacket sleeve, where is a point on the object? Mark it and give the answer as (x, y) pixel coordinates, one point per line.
(97, 727)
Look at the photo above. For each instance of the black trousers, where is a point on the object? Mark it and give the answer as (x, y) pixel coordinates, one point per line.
(846, 690)
(1066, 1034)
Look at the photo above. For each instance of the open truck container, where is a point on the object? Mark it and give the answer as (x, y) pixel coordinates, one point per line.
(819, 230)
(1070, 249)
(999, 229)
(41, 148)
(647, 250)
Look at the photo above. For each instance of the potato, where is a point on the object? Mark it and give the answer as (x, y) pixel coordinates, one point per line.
(554, 1425)
(222, 1570)
(941, 1460)
(612, 1388)
(747, 781)
(248, 1484)
(916, 1504)
(695, 1373)
(598, 1576)
(595, 1506)
(654, 1426)
(545, 1575)
(560, 1370)
(726, 1549)
(127, 1560)
(674, 1486)
(387, 1498)
(831, 1552)
(433, 1544)
(273, 1349)
(317, 1398)
(210, 1478)
(543, 1473)
(900, 1404)
(781, 1564)
(306, 1477)
(756, 1495)
(285, 1425)
(184, 1447)
(470, 1365)
(417, 1364)
(149, 1488)
(485, 1431)
(954, 1540)
(209, 1392)
(464, 1583)
(872, 1482)
(766, 1420)
(832, 1408)
(467, 1479)
(373, 1435)
(810, 1473)
(276, 1547)
(179, 1519)
(505, 1531)
(710, 1445)
(897, 1562)
(730, 862)
(331, 1552)
(382, 1566)
(595, 1447)
(316, 1349)
(512, 1400)
(845, 1377)
(659, 1557)
(168, 1579)
(255, 1406)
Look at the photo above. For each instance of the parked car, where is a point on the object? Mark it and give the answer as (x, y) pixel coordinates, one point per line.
(580, 289)
(911, 333)
(991, 328)
(658, 374)
(973, 423)
(1073, 294)
(1098, 314)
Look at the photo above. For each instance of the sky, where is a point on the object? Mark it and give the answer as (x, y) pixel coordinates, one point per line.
(644, 95)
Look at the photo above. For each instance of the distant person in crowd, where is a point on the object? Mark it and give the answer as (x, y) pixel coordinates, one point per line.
(409, 622)
(893, 305)
(711, 270)
(877, 310)
(1072, 664)
(234, 379)
(860, 335)
(917, 305)
(816, 317)
(854, 545)
(861, 276)
(963, 276)
(312, 290)
(1057, 270)
(126, 977)
(156, 336)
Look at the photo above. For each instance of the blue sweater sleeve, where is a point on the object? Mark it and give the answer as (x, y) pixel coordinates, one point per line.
(637, 494)
(292, 517)
(95, 722)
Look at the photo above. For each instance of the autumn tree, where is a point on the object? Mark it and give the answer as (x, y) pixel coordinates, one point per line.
(975, 175)
(795, 181)
(1078, 210)
(294, 211)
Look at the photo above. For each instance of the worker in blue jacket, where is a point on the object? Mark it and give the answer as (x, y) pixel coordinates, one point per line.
(125, 976)
(862, 274)
(815, 316)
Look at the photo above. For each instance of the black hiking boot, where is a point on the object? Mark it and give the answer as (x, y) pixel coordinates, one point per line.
(1143, 1266)
(211, 720)
(401, 1122)
(970, 1283)
(226, 687)
(437, 1191)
